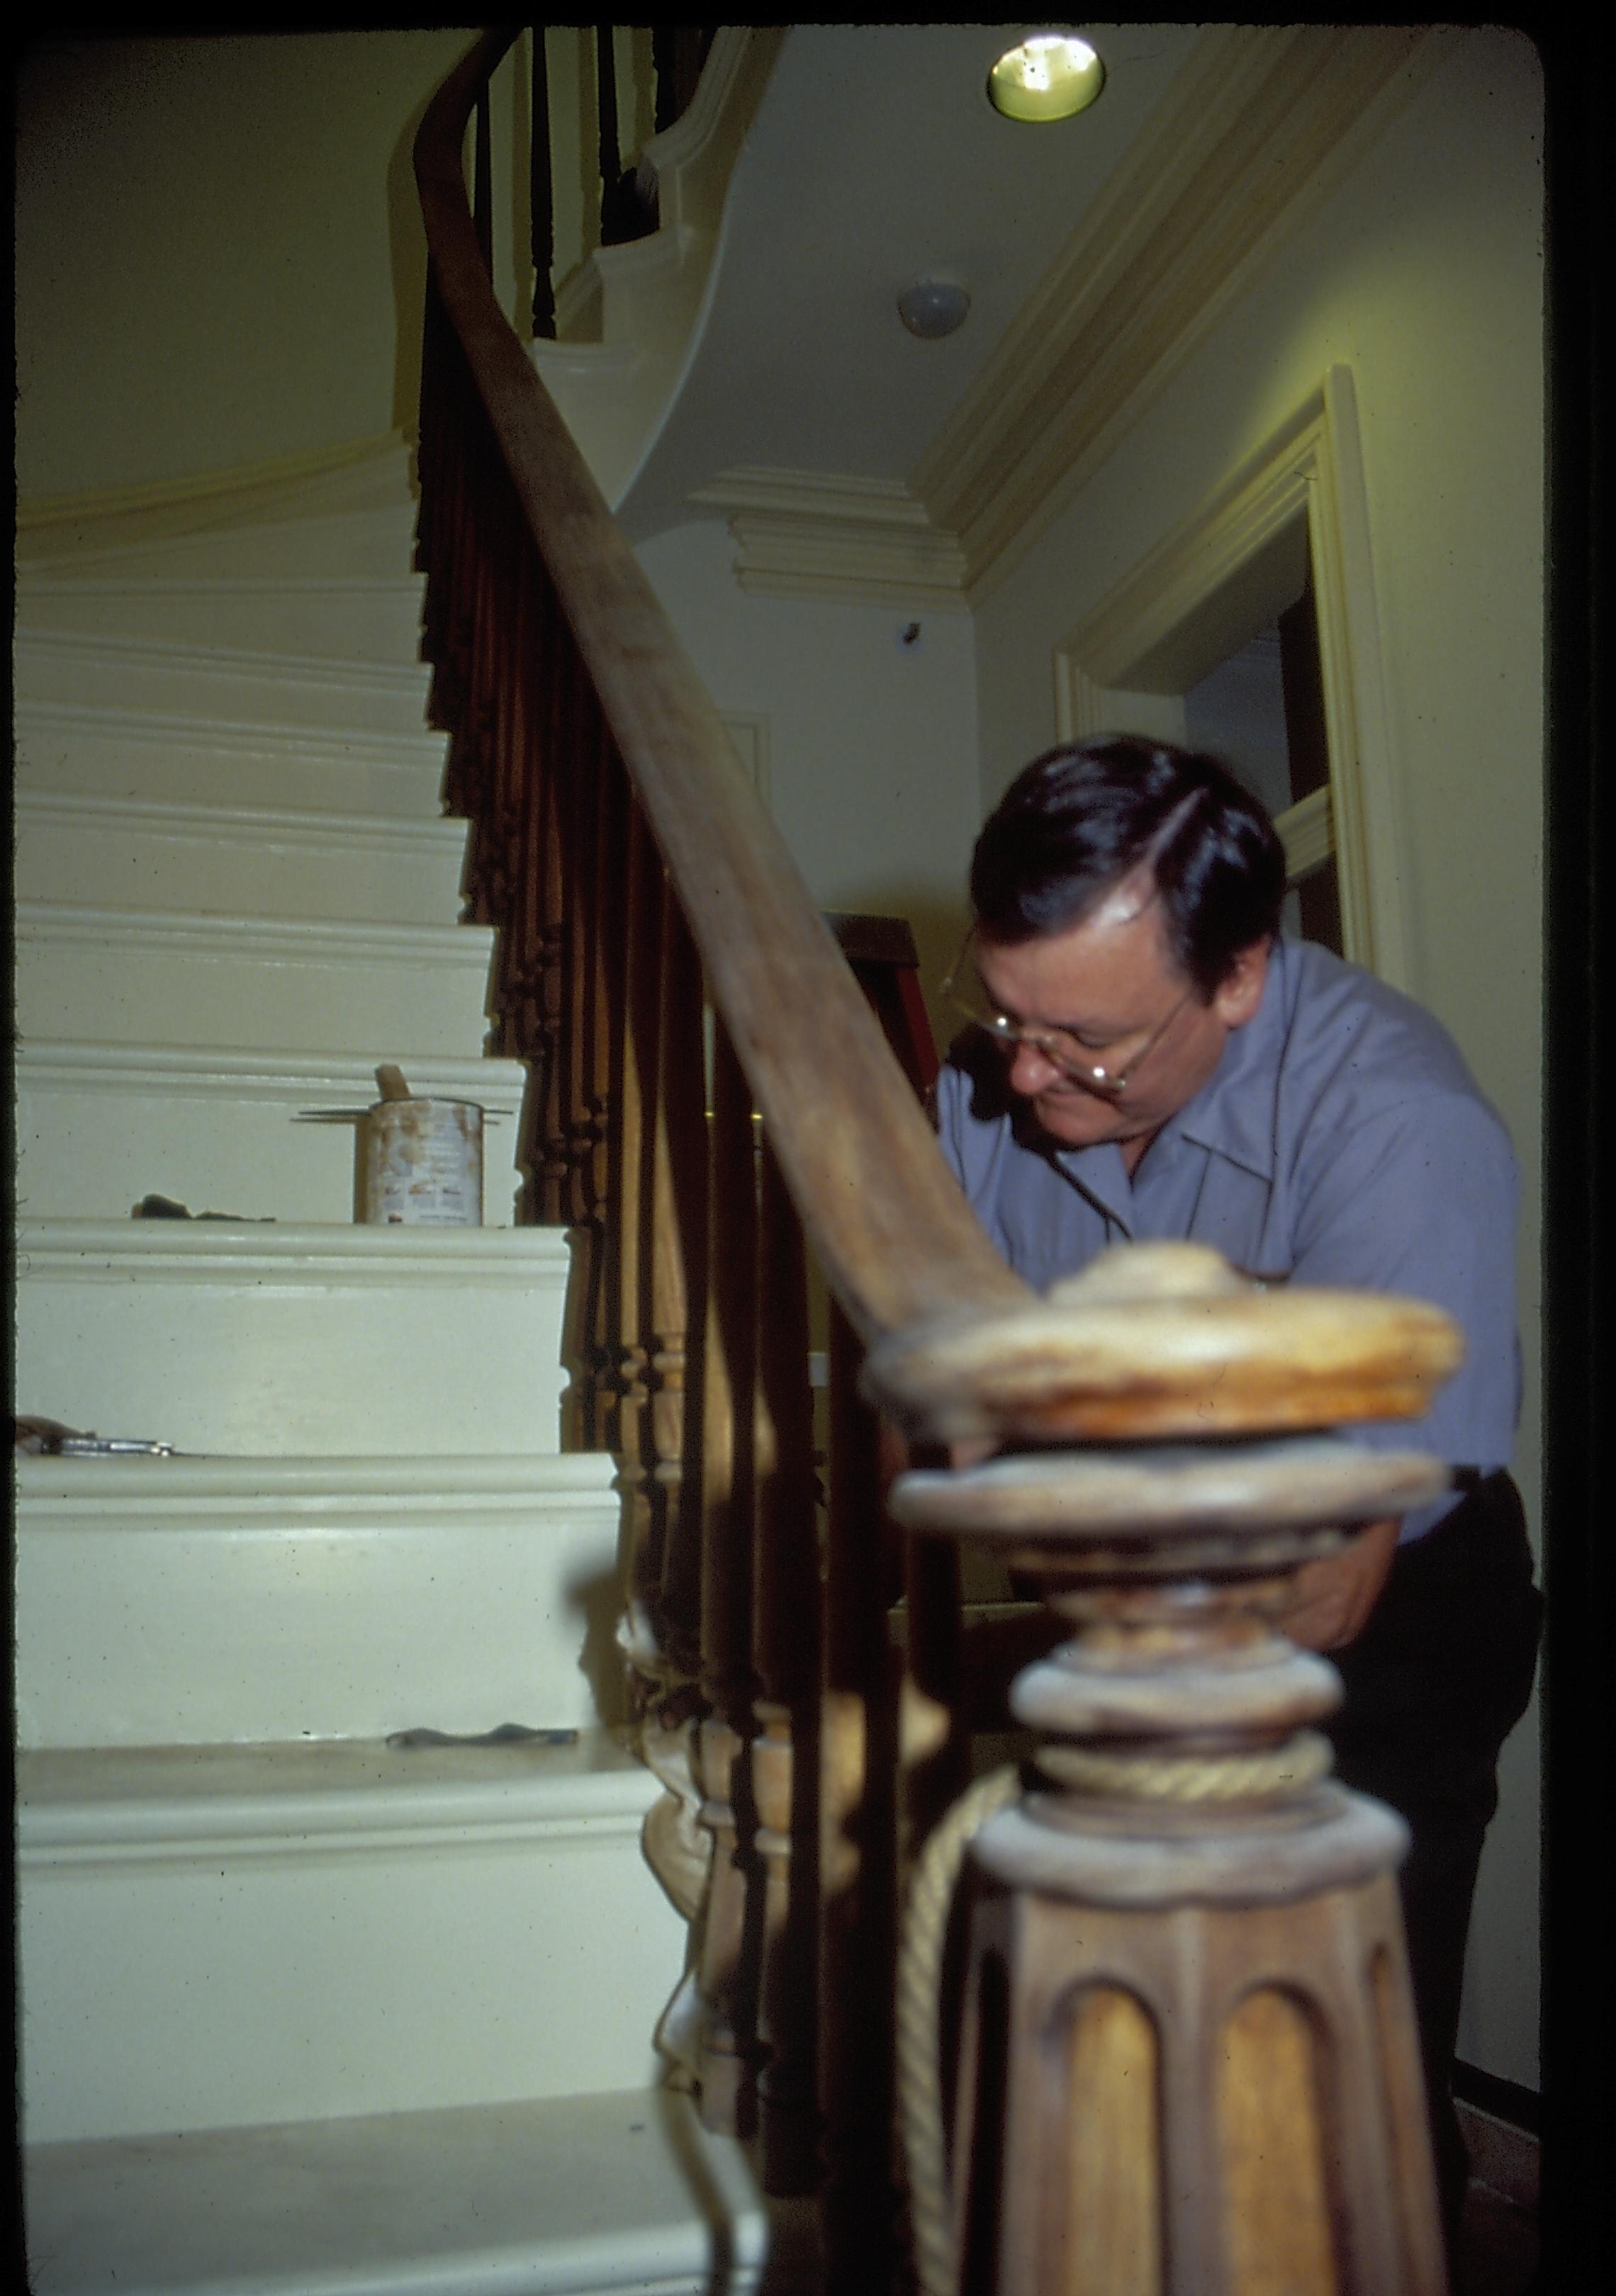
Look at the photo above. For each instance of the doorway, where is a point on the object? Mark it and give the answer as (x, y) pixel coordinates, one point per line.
(1271, 580)
(1261, 709)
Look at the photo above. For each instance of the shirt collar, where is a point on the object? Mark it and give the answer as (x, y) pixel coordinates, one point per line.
(1233, 1114)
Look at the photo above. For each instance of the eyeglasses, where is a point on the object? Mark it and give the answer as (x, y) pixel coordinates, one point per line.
(1061, 1047)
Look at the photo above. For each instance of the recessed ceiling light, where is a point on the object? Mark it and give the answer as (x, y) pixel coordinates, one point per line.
(1049, 76)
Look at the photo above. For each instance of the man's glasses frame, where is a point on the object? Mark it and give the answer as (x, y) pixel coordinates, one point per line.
(1059, 1047)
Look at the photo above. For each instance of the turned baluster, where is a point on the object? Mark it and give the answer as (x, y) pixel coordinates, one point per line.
(728, 1682)
(678, 1274)
(556, 893)
(629, 1195)
(786, 1641)
(859, 1767)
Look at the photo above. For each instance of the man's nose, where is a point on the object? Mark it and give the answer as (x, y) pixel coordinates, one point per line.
(1032, 1070)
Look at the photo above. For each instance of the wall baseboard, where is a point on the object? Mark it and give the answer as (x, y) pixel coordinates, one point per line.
(1500, 2122)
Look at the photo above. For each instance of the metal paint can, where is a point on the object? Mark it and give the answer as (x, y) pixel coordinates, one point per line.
(420, 1164)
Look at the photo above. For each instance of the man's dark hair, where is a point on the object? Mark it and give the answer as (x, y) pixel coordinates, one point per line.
(1081, 818)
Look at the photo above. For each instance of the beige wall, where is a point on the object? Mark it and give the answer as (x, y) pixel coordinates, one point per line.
(248, 199)
(872, 743)
(1422, 274)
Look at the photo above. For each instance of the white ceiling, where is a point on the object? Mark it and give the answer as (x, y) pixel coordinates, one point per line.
(876, 159)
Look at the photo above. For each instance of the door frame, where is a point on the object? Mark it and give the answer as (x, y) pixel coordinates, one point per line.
(1220, 576)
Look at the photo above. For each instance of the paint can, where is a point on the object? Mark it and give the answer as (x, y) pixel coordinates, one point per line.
(420, 1164)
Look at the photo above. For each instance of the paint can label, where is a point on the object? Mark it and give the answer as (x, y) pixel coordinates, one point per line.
(422, 1164)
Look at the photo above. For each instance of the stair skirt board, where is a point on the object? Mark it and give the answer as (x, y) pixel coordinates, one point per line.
(215, 1937)
(319, 695)
(203, 978)
(234, 1339)
(101, 1126)
(101, 852)
(63, 749)
(624, 2194)
(192, 1602)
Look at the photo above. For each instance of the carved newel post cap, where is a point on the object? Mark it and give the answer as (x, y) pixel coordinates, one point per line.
(1164, 1340)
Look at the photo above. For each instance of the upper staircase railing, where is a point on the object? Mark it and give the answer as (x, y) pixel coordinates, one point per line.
(1186, 1946)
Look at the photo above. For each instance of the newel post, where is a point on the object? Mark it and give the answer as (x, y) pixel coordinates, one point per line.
(1188, 2062)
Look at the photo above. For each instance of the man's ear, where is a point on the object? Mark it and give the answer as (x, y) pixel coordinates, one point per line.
(1239, 994)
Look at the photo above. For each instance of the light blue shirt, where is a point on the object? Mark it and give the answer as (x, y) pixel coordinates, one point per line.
(1341, 1141)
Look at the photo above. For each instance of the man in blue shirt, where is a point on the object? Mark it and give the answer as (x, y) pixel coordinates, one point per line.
(1153, 1059)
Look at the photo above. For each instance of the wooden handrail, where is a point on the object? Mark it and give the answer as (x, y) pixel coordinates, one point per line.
(891, 1230)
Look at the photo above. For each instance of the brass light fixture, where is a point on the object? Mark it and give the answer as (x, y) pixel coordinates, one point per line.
(1049, 75)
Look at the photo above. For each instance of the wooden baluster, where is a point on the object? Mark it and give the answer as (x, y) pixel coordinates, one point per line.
(580, 1045)
(857, 1767)
(784, 1754)
(551, 829)
(496, 860)
(678, 1274)
(603, 1020)
(727, 1966)
(628, 1193)
(470, 771)
(532, 947)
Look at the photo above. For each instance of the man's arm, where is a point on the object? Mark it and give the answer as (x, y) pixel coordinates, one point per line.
(1330, 1599)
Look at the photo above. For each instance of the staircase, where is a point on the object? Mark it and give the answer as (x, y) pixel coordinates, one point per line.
(304, 2009)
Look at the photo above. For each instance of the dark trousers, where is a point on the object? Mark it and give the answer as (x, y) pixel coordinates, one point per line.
(1434, 1685)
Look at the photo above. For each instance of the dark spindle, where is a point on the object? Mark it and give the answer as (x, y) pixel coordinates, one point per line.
(726, 1499)
(857, 1769)
(786, 1640)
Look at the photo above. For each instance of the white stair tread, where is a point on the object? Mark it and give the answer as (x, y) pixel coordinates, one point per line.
(623, 2191)
(288, 1251)
(64, 748)
(209, 977)
(92, 1798)
(349, 617)
(163, 1600)
(236, 1337)
(303, 689)
(274, 862)
(101, 1125)
(222, 1936)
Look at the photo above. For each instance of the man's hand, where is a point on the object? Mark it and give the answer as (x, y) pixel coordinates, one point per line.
(1330, 1600)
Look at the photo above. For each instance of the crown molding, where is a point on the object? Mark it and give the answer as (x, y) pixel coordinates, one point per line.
(807, 534)
(1255, 131)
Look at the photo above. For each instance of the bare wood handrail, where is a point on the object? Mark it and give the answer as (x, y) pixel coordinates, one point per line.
(897, 1243)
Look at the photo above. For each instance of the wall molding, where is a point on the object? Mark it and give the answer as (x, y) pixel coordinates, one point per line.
(1227, 569)
(810, 534)
(1255, 132)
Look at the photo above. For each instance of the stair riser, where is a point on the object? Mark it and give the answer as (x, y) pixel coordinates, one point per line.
(104, 754)
(99, 1127)
(302, 1353)
(241, 984)
(351, 621)
(271, 868)
(219, 1984)
(191, 681)
(190, 1622)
